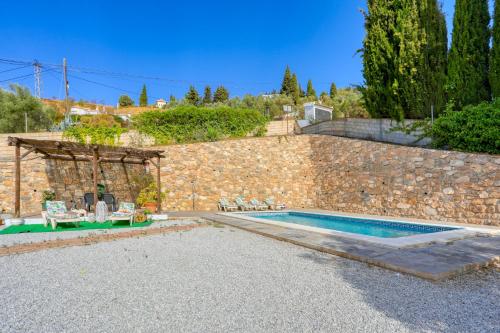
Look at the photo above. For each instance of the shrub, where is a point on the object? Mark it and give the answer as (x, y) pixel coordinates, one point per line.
(475, 129)
(188, 123)
(102, 129)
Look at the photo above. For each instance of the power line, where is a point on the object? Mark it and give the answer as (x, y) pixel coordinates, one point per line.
(108, 86)
(25, 76)
(14, 69)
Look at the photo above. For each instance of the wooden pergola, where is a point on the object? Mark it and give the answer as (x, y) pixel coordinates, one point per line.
(72, 151)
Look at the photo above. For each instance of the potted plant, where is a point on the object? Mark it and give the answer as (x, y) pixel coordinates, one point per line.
(148, 197)
(47, 195)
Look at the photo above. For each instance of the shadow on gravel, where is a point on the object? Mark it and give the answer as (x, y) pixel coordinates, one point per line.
(464, 304)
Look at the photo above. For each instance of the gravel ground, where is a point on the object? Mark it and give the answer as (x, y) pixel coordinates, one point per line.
(223, 280)
(26, 238)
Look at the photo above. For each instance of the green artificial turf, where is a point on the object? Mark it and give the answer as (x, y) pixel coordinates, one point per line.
(29, 228)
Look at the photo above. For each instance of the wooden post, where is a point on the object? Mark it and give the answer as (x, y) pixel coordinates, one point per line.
(17, 203)
(158, 185)
(95, 170)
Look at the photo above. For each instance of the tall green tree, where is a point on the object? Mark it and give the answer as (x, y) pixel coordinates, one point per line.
(333, 90)
(404, 58)
(192, 96)
(286, 85)
(143, 98)
(433, 74)
(468, 81)
(207, 96)
(18, 106)
(310, 90)
(294, 89)
(495, 53)
(221, 95)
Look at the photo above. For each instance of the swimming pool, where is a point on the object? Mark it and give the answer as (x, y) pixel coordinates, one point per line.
(348, 224)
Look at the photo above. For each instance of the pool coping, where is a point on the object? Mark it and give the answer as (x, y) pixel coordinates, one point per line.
(461, 232)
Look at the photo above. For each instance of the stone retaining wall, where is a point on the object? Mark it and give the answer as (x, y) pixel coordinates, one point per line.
(306, 171)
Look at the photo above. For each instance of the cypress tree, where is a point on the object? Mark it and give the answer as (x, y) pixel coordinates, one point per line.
(294, 89)
(404, 58)
(495, 53)
(435, 61)
(143, 98)
(310, 90)
(379, 56)
(192, 96)
(221, 95)
(286, 85)
(207, 96)
(333, 90)
(468, 61)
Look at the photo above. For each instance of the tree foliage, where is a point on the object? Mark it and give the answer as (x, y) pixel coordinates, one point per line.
(295, 89)
(18, 105)
(197, 124)
(125, 101)
(207, 95)
(221, 95)
(474, 129)
(310, 90)
(99, 129)
(286, 85)
(143, 98)
(468, 81)
(402, 52)
(192, 97)
(495, 54)
(333, 90)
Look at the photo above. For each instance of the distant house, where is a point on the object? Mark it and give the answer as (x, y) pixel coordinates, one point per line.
(80, 111)
(316, 113)
(160, 103)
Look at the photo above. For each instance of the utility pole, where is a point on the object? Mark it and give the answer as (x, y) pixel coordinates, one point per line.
(66, 88)
(38, 71)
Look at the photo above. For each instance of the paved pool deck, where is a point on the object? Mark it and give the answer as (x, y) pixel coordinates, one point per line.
(434, 261)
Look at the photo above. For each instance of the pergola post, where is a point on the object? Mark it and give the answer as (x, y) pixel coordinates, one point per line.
(158, 185)
(94, 169)
(17, 204)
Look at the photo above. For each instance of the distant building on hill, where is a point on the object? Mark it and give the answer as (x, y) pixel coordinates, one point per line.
(80, 111)
(316, 113)
(161, 103)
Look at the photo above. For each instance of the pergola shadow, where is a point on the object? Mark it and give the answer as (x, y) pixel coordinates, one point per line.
(77, 152)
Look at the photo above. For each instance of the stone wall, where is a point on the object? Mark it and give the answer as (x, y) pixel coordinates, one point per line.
(375, 178)
(197, 175)
(367, 129)
(306, 171)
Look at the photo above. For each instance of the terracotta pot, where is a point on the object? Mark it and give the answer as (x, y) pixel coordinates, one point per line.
(151, 206)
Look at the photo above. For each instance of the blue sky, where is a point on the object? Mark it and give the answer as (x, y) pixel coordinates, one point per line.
(243, 46)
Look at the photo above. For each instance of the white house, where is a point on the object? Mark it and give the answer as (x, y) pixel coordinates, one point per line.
(79, 111)
(315, 113)
(160, 103)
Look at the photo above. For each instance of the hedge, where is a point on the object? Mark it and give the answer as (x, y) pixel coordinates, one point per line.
(474, 129)
(185, 124)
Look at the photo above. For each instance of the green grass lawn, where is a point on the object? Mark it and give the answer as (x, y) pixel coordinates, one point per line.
(31, 228)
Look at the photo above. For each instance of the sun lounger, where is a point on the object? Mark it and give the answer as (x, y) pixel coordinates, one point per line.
(125, 212)
(225, 205)
(274, 206)
(242, 204)
(57, 213)
(257, 205)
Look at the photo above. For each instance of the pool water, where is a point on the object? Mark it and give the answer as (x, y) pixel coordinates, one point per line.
(369, 227)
